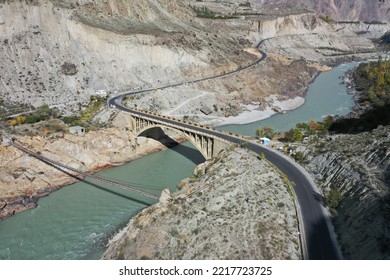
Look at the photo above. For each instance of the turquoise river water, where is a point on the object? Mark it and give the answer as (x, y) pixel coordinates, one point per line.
(77, 221)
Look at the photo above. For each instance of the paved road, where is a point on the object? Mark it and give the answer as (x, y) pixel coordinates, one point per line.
(316, 234)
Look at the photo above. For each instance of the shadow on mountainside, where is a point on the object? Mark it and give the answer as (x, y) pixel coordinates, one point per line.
(366, 122)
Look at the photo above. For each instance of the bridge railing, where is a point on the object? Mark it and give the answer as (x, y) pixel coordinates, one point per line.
(179, 126)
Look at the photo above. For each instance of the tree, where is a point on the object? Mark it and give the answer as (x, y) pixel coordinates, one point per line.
(294, 135)
(33, 119)
(304, 126)
(268, 132)
(313, 125)
(46, 111)
(334, 198)
(327, 122)
(327, 19)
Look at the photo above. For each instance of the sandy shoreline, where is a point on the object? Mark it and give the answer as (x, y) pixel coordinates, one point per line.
(252, 113)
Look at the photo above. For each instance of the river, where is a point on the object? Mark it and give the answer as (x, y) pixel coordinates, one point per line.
(77, 221)
(326, 96)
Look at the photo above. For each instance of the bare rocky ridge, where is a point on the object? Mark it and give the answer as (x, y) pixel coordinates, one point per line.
(344, 10)
(113, 45)
(359, 167)
(234, 209)
(300, 43)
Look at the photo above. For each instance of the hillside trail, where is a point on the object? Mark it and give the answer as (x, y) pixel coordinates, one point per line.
(186, 102)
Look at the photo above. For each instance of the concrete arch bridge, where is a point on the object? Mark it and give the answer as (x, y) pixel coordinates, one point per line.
(202, 137)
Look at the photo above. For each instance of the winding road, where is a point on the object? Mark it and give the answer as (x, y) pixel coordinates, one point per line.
(317, 237)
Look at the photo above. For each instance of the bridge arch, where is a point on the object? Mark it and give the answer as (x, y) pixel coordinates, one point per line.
(158, 131)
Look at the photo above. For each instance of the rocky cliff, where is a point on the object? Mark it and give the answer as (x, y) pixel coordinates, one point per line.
(60, 52)
(235, 207)
(354, 174)
(344, 10)
(104, 42)
(110, 45)
(297, 48)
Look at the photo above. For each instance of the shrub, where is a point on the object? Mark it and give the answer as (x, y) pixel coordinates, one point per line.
(12, 122)
(334, 198)
(204, 12)
(245, 144)
(268, 132)
(294, 135)
(262, 155)
(327, 19)
(246, 4)
(96, 103)
(30, 119)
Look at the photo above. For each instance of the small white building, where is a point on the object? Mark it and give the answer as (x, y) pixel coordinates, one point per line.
(76, 129)
(101, 93)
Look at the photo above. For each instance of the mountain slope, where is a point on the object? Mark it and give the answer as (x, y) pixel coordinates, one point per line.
(239, 208)
(353, 172)
(342, 10)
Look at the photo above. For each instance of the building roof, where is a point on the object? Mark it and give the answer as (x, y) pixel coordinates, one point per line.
(76, 127)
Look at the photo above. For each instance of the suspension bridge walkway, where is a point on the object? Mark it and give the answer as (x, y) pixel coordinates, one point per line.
(81, 175)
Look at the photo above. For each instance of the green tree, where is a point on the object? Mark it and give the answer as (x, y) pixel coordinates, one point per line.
(34, 118)
(304, 126)
(46, 111)
(334, 198)
(294, 135)
(373, 81)
(327, 122)
(268, 132)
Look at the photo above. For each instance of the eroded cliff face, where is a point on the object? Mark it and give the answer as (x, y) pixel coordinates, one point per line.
(60, 52)
(112, 45)
(344, 10)
(237, 201)
(39, 37)
(297, 47)
(358, 166)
